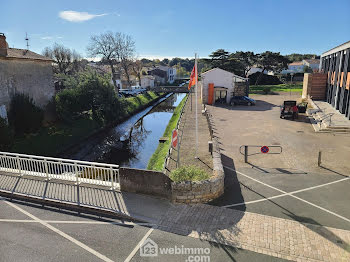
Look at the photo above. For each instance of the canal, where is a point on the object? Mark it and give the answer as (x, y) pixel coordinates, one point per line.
(132, 142)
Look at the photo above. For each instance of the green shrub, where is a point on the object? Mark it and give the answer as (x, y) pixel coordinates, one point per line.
(91, 92)
(266, 90)
(188, 173)
(69, 103)
(24, 115)
(6, 136)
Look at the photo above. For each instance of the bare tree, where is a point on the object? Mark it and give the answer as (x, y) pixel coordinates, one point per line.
(125, 48)
(105, 45)
(115, 48)
(136, 68)
(65, 58)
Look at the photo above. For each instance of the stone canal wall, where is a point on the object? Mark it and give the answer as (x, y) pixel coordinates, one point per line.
(201, 191)
(206, 190)
(145, 182)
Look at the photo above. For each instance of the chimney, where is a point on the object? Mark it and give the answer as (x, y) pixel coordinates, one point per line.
(3, 45)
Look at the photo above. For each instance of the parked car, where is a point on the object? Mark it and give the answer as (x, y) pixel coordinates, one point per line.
(242, 100)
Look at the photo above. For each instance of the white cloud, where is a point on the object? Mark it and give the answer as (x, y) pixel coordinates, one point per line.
(47, 38)
(51, 37)
(73, 16)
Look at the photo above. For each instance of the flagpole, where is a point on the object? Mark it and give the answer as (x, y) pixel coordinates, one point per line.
(196, 76)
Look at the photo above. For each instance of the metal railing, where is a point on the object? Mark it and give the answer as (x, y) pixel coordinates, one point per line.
(329, 115)
(179, 142)
(62, 169)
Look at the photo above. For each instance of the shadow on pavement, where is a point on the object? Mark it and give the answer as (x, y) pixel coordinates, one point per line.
(232, 191)
(260, 106)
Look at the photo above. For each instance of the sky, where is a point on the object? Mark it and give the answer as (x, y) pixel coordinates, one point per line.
(180, 28)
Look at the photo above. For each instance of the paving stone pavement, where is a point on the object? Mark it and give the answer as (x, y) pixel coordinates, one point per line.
(268, 235)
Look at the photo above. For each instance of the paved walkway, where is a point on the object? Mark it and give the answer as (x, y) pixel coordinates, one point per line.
(272, 236)
(187, 132)
(338, 119)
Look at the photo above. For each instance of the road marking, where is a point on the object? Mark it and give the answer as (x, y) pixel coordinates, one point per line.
(132, 254)
(286, 193)
(76, 222)
(77, 242)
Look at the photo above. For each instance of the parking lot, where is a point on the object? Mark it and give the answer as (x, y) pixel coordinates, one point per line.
(289, 185)
(34, 233)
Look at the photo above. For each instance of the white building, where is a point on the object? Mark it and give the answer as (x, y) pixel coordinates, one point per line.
(171, 72)
(147, 81)
(314, 64)
(255, 69)
(226, 85)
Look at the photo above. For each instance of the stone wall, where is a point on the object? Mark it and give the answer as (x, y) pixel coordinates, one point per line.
(241, 89)
(31, 77)
(201, 191)
(206, 190)
(145, 182)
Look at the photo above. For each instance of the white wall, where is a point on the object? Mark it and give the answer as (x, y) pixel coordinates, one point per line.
(220, 78)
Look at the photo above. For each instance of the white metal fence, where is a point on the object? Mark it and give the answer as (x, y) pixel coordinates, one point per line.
(63, 169)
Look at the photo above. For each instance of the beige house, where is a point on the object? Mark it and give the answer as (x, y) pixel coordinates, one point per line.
(23, 71)
(147, 81)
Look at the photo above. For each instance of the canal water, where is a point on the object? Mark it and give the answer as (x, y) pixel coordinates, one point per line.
(131, 143)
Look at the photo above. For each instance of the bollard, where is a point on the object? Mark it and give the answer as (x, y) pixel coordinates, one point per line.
(210, 144)
(319, 157)
(245, 154)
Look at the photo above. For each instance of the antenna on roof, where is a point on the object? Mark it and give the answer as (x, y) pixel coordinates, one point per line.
(27, 39)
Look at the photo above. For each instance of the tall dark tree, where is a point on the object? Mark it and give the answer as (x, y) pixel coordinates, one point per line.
(271, 61)
(219, 58)
(247, 60)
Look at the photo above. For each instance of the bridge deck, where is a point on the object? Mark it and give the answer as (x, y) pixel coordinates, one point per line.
(64, 192)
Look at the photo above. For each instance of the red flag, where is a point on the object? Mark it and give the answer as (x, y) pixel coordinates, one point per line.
(192, 78)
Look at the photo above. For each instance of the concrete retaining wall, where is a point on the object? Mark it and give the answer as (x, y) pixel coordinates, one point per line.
(145, 182)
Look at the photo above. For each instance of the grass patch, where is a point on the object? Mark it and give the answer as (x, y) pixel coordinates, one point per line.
(49, 141)
(156, 161)
(188, 173)
(131, 104)
(261, 89)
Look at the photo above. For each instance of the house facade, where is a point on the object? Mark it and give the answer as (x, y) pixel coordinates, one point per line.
(170, 72)
(147, 81)
(314, 64)
(23, 71)
(336, 64)
(225, 85)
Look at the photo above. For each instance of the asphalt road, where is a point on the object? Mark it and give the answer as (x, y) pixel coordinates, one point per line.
(267, 184)
(34, 233)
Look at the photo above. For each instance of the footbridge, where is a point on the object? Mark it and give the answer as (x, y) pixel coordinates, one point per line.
(171, 89)
(85, 187)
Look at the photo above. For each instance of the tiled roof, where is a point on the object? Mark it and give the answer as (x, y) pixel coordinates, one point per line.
(313, 61)
(25, 54)
(296, 63)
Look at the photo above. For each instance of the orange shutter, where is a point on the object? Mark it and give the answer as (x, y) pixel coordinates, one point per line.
(341, 79)
(348, 81)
